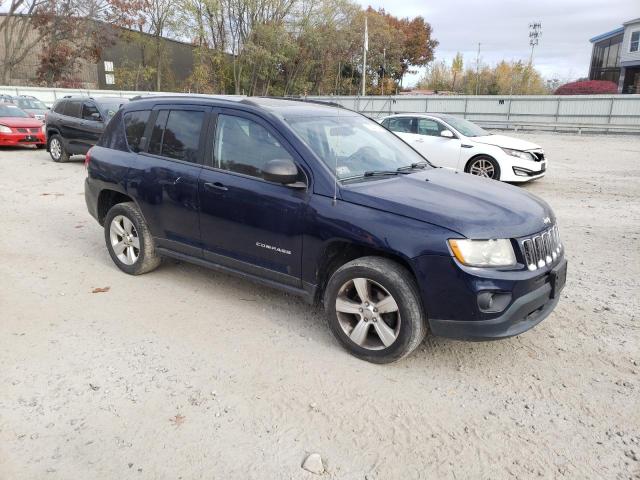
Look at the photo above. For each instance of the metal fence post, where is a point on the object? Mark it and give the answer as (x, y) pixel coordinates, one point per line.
(466, 100)
(555, 127)
(610, 113)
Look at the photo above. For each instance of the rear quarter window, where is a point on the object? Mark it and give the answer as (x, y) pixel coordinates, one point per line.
(59, 107)
(135, 124)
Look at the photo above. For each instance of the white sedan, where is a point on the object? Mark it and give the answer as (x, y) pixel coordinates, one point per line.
(456, 143)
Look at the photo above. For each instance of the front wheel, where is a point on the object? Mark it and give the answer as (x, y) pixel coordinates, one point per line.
(374, 309)
(484, 166)
(129, 240)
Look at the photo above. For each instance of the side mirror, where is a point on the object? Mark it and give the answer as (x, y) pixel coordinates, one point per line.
(282, 171)
(447, 134)
(95, 116)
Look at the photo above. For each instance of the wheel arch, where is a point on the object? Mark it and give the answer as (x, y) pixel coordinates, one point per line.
(338, 252)
(477, 155)
(107, 199)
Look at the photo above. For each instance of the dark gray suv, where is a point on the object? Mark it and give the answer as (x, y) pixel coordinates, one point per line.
(75, 124)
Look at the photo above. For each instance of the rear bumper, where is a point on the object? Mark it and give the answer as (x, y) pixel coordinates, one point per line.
(91, 199)
(19, 139)
(523, 314)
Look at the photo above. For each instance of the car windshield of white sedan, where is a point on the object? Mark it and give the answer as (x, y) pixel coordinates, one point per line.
(12, 111)
(354, 146)
(465, 127)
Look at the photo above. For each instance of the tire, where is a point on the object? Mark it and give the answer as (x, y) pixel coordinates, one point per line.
(57, 150)
(138, 255)
(483, 163)
(359, 331)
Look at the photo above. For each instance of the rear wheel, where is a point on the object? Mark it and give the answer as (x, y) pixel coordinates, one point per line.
(129, 240)
(374, 309)
(57, 150)
(484, 166)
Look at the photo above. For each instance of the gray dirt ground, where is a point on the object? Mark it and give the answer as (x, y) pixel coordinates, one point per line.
(187, 373)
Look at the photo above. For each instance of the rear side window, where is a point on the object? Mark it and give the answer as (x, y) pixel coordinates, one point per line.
(73, 109)
(402, 125)
(134, 126)
(176, 134)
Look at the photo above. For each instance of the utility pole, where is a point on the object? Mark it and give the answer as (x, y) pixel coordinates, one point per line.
(478, 69)
(535, 32)
(364, 57)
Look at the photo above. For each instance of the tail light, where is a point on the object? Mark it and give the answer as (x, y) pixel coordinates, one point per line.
(87, 158)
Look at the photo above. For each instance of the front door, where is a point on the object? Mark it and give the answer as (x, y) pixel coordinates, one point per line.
(248, 223)
(165, 175)
(441, 151)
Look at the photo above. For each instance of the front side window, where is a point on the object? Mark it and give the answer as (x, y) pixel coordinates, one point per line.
(90, 112)
(429, 127)
(351, 145)
(635, 41)
(176, 134)
(244, 146)
(134, 126)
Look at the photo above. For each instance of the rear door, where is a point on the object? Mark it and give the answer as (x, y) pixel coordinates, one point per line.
(92, 125)
(248, 223)
(166, 175)
(71, 126)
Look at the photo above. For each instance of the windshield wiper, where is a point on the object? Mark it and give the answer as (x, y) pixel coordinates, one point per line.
(378, 173)
(414, 166)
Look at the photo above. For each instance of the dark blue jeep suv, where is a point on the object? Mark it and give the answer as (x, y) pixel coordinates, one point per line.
(327, 204)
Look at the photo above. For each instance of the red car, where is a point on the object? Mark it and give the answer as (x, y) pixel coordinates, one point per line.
(18, 128)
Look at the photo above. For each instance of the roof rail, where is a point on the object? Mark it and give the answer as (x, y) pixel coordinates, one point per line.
(304, 99)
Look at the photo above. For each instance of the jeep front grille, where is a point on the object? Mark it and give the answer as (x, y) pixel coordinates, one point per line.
(542, 249)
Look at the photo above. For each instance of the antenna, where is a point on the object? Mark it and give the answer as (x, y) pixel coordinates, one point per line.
(335, 170)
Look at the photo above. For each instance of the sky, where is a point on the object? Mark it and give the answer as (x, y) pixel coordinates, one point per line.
(502, 28)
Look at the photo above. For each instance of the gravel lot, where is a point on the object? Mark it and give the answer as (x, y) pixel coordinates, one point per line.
(187, 373)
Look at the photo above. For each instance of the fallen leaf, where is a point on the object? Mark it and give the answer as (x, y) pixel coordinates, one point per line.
(79, 226)
(54, 194)
(95, 388)
(100, 290)
(177, 420)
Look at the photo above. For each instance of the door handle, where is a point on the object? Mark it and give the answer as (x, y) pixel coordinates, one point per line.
(215, 186)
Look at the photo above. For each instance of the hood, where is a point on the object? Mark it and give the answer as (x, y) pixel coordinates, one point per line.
(474, 207)
(19, 122)
(506, 142)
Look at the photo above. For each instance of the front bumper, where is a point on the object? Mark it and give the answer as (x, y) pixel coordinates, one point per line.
(450, 296)
(20, 139)
(523, 314)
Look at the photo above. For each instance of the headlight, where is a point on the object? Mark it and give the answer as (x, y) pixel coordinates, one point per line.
(4, 129)
(518, 153)
(484, 253)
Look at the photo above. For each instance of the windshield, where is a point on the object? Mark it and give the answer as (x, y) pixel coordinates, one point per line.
(31, 104)
(12, 111)
(352, 145)
(465, 127)
(109, 109)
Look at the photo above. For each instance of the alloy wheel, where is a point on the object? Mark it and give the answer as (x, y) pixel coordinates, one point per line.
(482, 168)
(124, 239)
(55, 148)
(368, 314)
